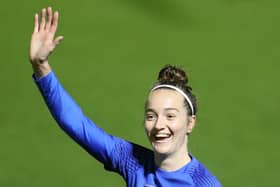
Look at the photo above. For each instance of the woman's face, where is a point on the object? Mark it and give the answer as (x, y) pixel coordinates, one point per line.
(167, 122)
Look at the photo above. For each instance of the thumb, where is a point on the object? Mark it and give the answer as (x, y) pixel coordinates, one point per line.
(57, 40)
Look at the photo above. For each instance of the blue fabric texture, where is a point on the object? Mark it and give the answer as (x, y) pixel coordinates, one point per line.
(133, 162)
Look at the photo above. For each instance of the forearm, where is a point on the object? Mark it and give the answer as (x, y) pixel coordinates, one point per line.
(72, 120)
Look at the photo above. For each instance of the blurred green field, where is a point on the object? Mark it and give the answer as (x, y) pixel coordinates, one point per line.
(108, 60)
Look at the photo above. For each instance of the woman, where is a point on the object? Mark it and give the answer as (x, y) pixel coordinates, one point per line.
(169, 119)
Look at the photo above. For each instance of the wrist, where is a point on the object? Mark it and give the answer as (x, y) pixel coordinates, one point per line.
(41, 69)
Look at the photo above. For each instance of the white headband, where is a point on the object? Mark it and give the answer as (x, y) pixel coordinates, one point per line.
(178, 90)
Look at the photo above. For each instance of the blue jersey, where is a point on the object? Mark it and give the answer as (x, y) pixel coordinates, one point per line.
(133, 162)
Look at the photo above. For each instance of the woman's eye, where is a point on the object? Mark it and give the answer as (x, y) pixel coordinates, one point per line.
(150, 117)
(170, 116)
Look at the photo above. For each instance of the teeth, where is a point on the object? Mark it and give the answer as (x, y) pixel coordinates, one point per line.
(162, 135)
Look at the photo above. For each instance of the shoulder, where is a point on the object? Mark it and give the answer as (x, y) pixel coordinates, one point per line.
(201, 176)
(128, 157)
(129, 149)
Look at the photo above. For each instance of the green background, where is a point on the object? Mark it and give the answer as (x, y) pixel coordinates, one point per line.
(110, 57)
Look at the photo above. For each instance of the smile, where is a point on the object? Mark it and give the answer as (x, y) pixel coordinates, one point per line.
(161, 137)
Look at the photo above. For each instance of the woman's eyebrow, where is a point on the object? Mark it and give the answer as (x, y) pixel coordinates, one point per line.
(166, 109)
(150, 110)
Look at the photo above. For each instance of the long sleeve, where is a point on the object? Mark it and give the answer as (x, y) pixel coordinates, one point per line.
(72, 120)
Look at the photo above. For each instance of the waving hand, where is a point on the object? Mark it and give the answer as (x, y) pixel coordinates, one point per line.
(43, 41)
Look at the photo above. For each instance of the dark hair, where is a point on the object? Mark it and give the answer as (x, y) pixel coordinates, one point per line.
(176, 76)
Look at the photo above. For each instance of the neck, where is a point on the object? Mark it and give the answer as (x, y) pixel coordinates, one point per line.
(172, 162)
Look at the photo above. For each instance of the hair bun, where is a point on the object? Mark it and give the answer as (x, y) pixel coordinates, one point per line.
(172, 75)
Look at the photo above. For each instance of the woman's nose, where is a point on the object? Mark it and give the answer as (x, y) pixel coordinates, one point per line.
(159, 124)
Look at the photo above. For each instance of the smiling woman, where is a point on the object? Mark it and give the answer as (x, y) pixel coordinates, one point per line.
(170, 118)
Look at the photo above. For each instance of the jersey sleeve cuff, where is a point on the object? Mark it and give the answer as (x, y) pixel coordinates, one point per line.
(45, 83)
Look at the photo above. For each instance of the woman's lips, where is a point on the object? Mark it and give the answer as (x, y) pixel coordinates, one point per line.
(161, 137)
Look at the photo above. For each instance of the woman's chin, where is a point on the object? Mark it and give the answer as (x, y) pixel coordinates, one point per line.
(161, 148)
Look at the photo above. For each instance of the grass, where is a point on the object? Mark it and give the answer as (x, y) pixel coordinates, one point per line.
(109, 59)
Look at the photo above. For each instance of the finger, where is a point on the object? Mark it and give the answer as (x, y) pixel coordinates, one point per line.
(49, 22)
(36, 24)
(54, 22)
(43, 19)
(57, 40)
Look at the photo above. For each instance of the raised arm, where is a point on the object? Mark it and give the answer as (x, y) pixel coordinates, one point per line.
(63, 108)
(43, 41)
(115, 153)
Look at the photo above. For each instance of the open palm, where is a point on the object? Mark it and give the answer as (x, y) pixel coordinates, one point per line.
(42, 41)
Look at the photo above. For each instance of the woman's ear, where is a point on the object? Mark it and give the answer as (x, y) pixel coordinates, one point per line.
(191, 123)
